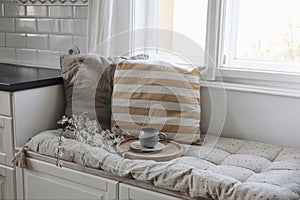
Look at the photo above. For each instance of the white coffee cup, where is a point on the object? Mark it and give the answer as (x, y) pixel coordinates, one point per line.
(149, 137)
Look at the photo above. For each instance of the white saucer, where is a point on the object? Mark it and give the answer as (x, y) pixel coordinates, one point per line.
(137, 146)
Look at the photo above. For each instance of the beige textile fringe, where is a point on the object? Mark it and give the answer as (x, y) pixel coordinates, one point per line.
(20, 158)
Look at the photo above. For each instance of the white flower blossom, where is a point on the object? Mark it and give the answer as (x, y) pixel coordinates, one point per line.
(88, 131)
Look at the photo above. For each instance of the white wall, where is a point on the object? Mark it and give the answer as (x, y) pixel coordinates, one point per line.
(260, 117)
(37, 35)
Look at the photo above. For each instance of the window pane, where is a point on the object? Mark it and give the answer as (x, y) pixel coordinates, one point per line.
(186, 22)
(269, 30)
(190, 20)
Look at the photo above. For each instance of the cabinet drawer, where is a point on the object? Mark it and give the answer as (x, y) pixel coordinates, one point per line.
(5, 104)
(6, 142)
(7, 183)
(136, 193)
(63, 183)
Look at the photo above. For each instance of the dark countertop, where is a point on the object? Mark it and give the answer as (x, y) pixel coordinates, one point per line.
(16, 77)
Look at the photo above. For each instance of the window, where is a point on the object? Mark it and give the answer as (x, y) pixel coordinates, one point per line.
(181, 31)
(261, 35)
(242, 41)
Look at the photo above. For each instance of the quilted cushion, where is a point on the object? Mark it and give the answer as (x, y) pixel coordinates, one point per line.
(158, 95)
(222, 168)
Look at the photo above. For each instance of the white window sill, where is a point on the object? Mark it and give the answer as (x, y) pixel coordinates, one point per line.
(252, 88)
(259, 75)
(271, 83)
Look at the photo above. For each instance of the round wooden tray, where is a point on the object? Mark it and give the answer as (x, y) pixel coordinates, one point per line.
(171, 151)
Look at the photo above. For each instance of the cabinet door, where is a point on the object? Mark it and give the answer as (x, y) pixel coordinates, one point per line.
(7, 185)
(5, 105)
(128, 192)
(46, 181)
(6, 142)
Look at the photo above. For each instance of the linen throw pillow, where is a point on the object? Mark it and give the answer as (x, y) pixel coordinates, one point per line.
(88, 83)
(158, 95)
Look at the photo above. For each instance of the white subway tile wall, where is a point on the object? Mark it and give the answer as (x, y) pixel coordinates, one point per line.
(7, 54)
(81, 12)
(39, 34)
(7, 25)
(37, 41)
(61, 11)
(48, 25)
(49, 58)
(74, 26)
(2, 39)
(27, 55)
(37, 11)
(25, 25)
(60, 42)
(11, 10)
(16, 40)
(80, 42)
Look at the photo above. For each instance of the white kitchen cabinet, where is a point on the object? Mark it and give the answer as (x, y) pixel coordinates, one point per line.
(6, 140)
(129, 192)
(24, 114)
(31, 101)
(43, 180)
(7, 183)
(5, 103)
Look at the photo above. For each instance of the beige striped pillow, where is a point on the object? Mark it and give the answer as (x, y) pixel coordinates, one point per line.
(158, 95)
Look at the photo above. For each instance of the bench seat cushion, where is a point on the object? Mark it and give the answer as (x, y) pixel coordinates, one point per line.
(222, 168)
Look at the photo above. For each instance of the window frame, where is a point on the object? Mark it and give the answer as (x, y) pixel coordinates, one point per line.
(217, 70)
